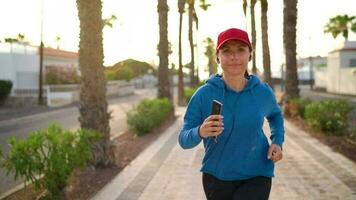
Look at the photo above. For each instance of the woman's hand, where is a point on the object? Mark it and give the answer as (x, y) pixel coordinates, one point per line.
(212, 126)
(275, 153)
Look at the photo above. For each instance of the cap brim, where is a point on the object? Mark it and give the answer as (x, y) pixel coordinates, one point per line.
(228, 39)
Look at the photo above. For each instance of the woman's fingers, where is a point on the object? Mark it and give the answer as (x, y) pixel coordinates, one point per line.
(214, 117)
(215, 123)
(275, 153)
(215, 130)
(212, 126)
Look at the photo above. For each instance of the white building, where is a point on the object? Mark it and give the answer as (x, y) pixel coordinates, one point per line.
(340, 75)
(306, 67)
(20, 64)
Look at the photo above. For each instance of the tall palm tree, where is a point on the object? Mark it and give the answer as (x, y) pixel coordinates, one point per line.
(20, 38)
(163, 72)
(191, 13)
(253, 30)
(57, 40)
(253, 35)
(210, 53)
(341, 24)
(181, 102)
(93, 104)
(289, 38)
(265, 47)
(193, 18)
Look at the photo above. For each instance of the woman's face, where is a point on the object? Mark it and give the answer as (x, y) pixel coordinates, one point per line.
(234, 57)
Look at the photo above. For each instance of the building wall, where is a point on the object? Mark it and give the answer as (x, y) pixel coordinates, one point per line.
(345, 57)
(21, 69)
(307, 64)
(20, 64)
(333, 72)
(320, 78)
(341, 78)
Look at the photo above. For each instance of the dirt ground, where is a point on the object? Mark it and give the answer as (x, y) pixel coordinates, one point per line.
(86, 183)
(343, 145)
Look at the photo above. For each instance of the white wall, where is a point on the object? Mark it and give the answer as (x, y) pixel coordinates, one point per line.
(333, 72)
(320, 76)
(20, 64)
(21, 69)
(340, 77)
(7, 72)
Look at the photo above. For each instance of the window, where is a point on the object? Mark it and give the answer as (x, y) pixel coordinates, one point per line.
(352, 63)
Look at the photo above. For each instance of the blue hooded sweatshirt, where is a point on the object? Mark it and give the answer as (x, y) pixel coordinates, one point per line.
(241, 149)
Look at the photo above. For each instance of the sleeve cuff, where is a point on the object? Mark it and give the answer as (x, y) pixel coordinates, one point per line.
(196, 136)
(277, 142)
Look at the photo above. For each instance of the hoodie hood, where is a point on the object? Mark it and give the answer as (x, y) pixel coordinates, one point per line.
(217, 81)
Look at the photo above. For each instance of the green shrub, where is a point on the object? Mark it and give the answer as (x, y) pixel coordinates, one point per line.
(5, 89)
(329, 116)
(188, 93)
(148, 114)
(52, 153)
(59, 75)
(301, 105)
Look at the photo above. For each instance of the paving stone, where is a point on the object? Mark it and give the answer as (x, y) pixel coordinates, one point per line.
(309, 170)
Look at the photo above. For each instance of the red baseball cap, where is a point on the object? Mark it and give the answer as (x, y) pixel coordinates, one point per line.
(233, 34)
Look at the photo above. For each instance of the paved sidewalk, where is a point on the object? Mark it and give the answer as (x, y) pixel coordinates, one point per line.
(309, 170)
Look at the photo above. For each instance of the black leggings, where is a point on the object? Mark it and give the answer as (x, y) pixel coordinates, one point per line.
(257, 188)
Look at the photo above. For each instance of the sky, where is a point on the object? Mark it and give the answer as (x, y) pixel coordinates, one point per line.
(135, 33)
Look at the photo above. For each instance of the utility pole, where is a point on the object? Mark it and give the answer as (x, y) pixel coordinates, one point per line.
(40, 91)
(311, 73)
(310, 66)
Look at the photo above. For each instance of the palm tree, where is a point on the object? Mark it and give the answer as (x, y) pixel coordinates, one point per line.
(93, 106)
(210, 53)
(193, 18)
(163, 72)
(289, 38)
(21, 38)
(253, 34)
(341, 24)
(110, 21)
(57, 40)
(265, 47)
(181, 102)
(191, 13)
(253, 30)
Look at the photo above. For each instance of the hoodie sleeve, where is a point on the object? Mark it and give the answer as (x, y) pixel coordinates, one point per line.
(275, 120)
(189, 134)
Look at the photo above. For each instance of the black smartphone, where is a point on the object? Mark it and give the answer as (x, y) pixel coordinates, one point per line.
(216, 110)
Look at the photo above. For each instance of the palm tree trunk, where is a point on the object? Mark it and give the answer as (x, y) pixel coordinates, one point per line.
(163, 72)
(93, 104)
(192, 76)
(181, 101)
(253, 34)
(289, 37)
(265, 46)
